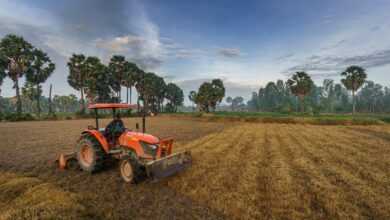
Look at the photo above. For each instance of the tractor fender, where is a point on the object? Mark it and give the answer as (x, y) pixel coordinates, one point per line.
(99, 137)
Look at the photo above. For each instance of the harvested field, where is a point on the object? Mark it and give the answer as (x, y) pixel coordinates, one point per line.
(240, 171)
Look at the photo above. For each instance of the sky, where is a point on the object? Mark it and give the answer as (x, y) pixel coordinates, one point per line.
(245, 43)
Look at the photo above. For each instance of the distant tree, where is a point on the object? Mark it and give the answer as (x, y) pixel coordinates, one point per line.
(238, 102)
(99, 83)
(3, 66)
(229, 100)
(192, 98)
(17, 53)
(77, 76)
(118, 69)
(328, 94)
(131, 77)
(203, 97)
(175, 96)
(217, 92)
(30, 93)
(40, 71)
(65, 103)
(370, 97)
(355, 77)
(300, 85)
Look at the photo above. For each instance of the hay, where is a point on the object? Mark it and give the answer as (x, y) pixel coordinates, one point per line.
(30, 198)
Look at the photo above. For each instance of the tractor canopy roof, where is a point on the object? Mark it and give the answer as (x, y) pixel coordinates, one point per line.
(111, 105)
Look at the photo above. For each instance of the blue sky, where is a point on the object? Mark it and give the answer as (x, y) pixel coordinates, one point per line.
(246, 43)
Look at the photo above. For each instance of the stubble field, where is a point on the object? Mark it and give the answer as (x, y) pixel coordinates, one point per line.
(240, 171)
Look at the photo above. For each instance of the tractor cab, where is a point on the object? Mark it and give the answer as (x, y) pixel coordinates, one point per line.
(116, 127)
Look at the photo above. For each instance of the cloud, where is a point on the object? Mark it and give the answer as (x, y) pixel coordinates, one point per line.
(284, 57)
(334, 64)
(229, 52)
(334, 45)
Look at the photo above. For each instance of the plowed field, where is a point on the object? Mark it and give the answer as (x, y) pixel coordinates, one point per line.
(240, 171)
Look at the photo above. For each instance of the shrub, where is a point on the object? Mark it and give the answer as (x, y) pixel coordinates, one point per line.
(17, 117)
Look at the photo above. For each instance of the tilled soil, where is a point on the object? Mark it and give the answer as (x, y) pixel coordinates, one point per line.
(240, 170)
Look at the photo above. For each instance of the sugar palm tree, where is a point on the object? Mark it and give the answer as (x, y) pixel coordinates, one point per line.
(300, 85)
(17, 53)
(77, 76)
(40, 71)
(355, 76)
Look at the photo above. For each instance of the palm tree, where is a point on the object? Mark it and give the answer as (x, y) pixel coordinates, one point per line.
(77, 76)
(41, 69)
(300, 85)
(355, 76)
(3, 66)
(17, 53)
(117, 67)
(132, 72)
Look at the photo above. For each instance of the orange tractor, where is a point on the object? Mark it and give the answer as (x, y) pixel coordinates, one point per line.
(141, 155)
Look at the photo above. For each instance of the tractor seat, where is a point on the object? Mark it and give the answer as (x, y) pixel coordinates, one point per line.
(113, 130)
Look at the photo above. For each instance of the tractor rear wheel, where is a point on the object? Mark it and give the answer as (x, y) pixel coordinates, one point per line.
(90, 154)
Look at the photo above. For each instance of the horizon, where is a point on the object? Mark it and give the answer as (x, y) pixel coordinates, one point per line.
(246, 45)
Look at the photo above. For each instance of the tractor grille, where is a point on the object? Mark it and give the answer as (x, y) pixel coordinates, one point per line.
(150, 149)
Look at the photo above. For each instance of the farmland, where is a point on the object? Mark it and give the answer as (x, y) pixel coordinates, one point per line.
(240, 171)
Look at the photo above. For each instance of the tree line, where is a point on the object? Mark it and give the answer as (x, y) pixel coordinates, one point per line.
(299, 93)
(96, 81)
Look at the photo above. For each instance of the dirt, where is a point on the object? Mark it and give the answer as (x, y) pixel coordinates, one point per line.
(240, 171)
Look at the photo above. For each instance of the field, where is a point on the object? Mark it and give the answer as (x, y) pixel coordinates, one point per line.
(240, 171)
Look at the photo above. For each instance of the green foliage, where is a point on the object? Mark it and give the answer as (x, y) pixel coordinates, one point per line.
(18, 117)
(355, 76)
(210, 94)
(16, 54)
(300, 84)
(175, 97)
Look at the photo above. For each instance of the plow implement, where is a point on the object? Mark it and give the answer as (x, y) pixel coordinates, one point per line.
(155, 169)
(169, 165)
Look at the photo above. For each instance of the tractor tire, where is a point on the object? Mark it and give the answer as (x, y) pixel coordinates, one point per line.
(131, 170)
(90, 154)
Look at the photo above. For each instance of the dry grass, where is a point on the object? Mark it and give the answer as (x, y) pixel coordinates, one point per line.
(30, 198)
(272, 171)
(240, 171)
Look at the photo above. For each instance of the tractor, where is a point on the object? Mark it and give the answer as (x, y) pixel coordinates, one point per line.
(140, 155)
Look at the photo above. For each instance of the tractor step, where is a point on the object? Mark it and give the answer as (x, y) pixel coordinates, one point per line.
(168, 165)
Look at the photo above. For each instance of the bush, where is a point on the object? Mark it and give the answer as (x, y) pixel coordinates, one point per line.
(17, 117)
(50, 117)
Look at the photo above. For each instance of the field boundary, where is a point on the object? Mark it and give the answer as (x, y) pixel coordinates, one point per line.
(284, 119)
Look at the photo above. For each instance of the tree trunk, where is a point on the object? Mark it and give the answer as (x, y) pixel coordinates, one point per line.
(130, 93)
(127, 95)
(353, 102)
(50, 106)
(302, 104)
(18, 98)
(82, 106)
(38, 101)
(120, 94)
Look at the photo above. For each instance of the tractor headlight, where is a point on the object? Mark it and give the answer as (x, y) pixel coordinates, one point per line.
(150, 149)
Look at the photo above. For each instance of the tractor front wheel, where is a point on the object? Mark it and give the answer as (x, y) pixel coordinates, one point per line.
(131, 170)
(90, 154)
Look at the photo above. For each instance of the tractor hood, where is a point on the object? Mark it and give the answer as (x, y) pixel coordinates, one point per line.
(150, 139)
